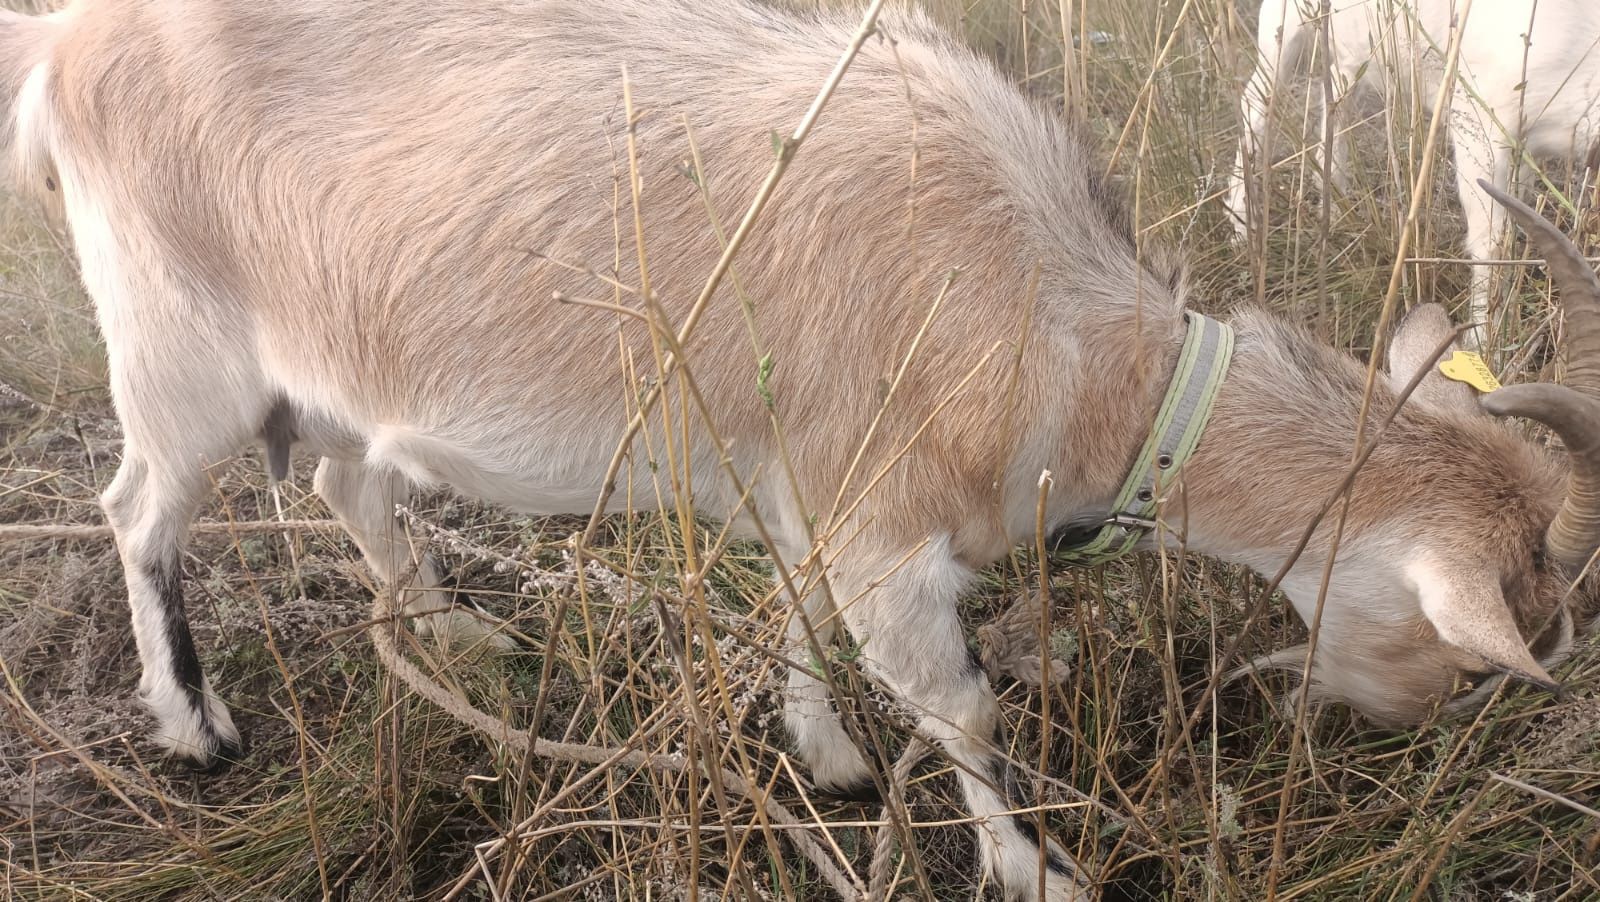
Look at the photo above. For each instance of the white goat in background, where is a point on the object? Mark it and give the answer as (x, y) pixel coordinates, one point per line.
(1528, 84)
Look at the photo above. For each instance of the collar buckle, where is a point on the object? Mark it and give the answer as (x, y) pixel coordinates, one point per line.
(1131, 522)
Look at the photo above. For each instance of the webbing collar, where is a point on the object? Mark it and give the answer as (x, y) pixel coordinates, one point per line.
(1181, 421)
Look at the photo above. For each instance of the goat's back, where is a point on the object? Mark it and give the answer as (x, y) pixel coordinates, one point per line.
(382, 199)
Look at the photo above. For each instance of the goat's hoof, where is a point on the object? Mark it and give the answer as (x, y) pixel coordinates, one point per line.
(1013, 852)
(862, 792)
(837, 768)
(196, 728)
(859, 787)
(465, 627)
(1063, 882)
(211, 753)
(227, 754)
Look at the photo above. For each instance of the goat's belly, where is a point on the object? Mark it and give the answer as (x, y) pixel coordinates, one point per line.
(1563, 134)
(553, 472)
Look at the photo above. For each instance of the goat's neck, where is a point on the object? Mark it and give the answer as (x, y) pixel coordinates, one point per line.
(1280, 441)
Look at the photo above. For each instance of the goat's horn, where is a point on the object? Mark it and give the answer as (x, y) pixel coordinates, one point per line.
(1575, 533)
(1571, 410)
(1578, 287)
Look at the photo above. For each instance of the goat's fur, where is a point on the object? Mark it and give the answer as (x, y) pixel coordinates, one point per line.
(1528, 82)
(343, 223)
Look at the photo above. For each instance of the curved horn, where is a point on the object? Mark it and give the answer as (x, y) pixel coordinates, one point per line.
(1578, 287)
(1575, 533)
(1572, 410)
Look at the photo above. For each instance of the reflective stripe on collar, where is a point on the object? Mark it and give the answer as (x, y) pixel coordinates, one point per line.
(1181, 421)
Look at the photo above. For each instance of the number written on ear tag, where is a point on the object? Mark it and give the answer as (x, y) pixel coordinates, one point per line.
(1465, 366)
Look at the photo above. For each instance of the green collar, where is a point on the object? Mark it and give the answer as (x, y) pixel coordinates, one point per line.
(1202, 365)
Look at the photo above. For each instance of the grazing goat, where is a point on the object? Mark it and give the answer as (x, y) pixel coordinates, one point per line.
(311, 222)
(1528, 82)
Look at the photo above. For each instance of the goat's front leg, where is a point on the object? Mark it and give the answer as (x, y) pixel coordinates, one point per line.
(1280, 39)
(1253, 116)
(1334, 155)
(1479, 156)
(363, 496)
(902, 607)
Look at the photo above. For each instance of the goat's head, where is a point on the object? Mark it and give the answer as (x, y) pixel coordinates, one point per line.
(1466, 542)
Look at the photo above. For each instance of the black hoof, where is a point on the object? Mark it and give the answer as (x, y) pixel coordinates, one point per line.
(220, 760)
(864, 792)
(220, 764)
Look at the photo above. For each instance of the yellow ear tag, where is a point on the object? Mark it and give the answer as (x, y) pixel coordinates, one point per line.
(1465, 366)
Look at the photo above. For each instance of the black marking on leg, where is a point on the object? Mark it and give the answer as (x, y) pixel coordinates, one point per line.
(999, 772)
(974, 662)
(1004, 777)
(1052, 858)
(168, 579)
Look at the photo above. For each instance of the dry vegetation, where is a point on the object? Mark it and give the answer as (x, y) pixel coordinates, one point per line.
(356, 789)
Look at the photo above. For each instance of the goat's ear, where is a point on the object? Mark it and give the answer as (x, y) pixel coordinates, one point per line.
(1467, 610)
(1411, 348)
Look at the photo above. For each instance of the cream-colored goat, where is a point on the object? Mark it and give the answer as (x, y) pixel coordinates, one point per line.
(342, 224)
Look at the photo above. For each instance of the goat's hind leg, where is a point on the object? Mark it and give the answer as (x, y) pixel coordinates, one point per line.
(149, 505)
(180, 411)
(837, 764)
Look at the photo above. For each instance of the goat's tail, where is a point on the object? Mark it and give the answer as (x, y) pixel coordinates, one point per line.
(26, 44)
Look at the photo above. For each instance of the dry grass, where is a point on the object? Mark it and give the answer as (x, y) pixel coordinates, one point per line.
(354, 789)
